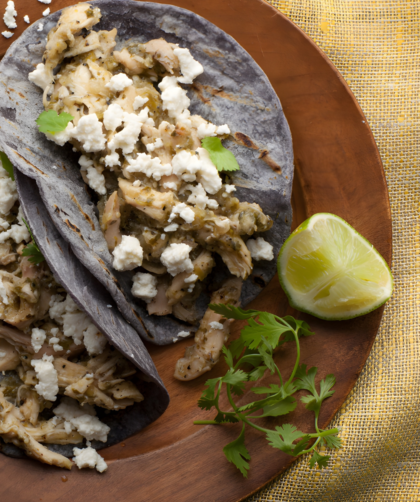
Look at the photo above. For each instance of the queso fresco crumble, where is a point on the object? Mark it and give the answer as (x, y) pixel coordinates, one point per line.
(164, 208)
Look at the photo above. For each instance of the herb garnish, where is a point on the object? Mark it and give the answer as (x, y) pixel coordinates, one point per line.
(221, 157)
(32, 250)
(7, 165)
(49, 121)
(255, 347)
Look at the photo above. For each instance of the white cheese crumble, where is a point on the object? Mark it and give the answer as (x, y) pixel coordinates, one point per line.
(8, 193)
(190, 68)
(63, 136)
(171, 185)
(94, 340)
(139, 102)
(208, 174)
(89, 132)
(40, 27)
(89, 457)
(151, 147)
(38, 338)
(2, 354)
(229, 188)
(191, 278)
(76, 324)
(46, 2)
(183, 334)
(47, 377)
(127, 138)
(113, 116)
(199, 197)
(260, 249)
(176, 259)
(144, 286)
(7, 34)
(128, 254)
(26, 19)
(40, 76)
(4, 293)
(206, 130)
(174, 98)
(171, 228)
(9, 15)
(17, 232)
(119, 82)
(216, 325)
(186, 165)
(152, 168)
(96, 179)
(184, 211)
(81, 418)
(223, 129)
(46, 12)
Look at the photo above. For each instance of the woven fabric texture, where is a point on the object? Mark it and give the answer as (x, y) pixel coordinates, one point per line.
(375, 44)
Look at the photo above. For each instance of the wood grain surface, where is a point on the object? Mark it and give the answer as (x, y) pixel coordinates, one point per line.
(338, 170)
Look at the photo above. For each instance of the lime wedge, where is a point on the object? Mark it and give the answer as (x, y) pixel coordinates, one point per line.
(329, 270)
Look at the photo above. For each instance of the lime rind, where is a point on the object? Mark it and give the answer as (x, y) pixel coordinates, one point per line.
(351, 277)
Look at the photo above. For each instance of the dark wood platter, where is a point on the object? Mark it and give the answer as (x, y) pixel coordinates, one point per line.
(337, 170)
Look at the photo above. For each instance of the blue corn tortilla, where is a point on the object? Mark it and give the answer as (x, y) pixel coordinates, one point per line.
(233, 89)
(80, 284)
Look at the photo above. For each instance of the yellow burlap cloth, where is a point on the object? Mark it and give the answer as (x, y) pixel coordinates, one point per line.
(375, 44)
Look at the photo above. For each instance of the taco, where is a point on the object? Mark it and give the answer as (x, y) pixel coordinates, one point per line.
(169, 232)
(71, 368)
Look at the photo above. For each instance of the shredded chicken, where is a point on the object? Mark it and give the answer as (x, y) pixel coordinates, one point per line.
(205, 353)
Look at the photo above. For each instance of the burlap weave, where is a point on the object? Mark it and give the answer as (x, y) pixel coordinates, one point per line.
(376, 46)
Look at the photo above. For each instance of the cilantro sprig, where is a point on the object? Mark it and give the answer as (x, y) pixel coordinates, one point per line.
(248, 359)
(49, 121)
(221, 157)
(32, 250)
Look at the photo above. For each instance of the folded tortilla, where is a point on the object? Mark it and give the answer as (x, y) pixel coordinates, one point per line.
(233, 89)
(93, 299)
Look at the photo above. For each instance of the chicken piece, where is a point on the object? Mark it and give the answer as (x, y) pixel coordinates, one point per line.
(29, 405)
(83, 44)
(249, 218)
(205, 353)
(111, 220)
(13, 431)
(9, 358)
(160, 303)
(53, 433)
(134, 63)
(163, 52)
(155, 204)
(126, 390)
(231, 248)
(107, 41)
(186, 311)
(68, 373)
(61, 37)
(154, 268)
(179, 288)
(6, 254)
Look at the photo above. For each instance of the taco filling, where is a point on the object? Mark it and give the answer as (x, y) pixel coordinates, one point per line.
(55, 366)
(165, 208)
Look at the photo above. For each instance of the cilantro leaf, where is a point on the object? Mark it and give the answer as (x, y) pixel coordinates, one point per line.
(231, 312)
(222, 158)
(208, 399)
(32, 250)
(321, 460)
(282, 407)
(49, 121)
(224, 417)
(7, 165)
(306, 381)
(34, 254)
(257, 373)
(283, 437)
(228, 356)
(236, 379)
(237, 453)
(332, 442)
(301, 326)
(267, 328)
(302, 445)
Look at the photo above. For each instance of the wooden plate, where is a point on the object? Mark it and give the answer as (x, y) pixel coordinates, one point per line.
(338, 170)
